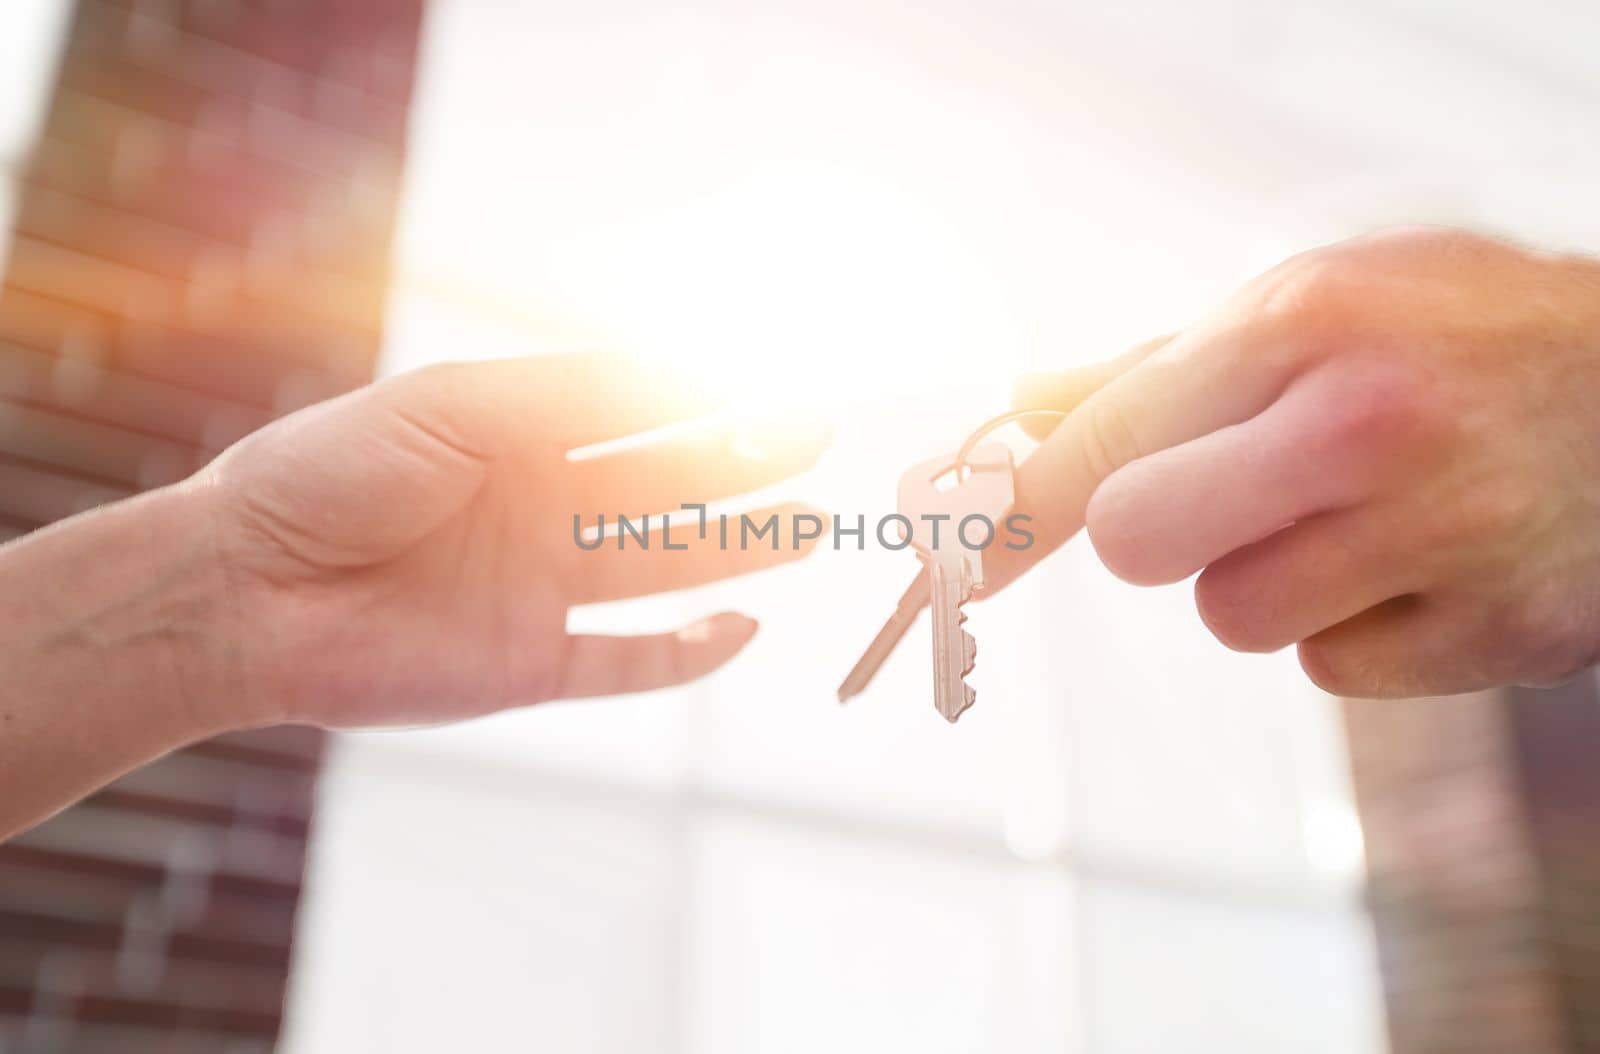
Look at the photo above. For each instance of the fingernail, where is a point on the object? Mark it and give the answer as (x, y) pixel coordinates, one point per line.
(729, 625)
(738, 627)
(1033, 389)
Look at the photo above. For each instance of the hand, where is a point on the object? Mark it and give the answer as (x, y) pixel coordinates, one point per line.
(1386, 451)
(406, 554)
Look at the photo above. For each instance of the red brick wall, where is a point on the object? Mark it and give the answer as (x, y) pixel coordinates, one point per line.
(201, 245)
(1482, 821)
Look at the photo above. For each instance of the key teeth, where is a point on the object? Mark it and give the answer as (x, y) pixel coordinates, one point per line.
(969, 696)
(969, 655)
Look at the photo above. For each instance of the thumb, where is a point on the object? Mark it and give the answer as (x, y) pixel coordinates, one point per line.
(1065, 389)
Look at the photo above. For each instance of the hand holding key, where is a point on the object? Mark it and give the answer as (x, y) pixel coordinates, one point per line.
(1384, 452)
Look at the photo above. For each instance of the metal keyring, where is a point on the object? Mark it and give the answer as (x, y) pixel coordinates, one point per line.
(961, 466)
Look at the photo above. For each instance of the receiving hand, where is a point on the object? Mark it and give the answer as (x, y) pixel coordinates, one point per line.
(406, 554)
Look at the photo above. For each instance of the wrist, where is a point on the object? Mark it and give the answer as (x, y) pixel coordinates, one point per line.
(233, 658)
(178, 614)
(141, 613)
(119, 642)
(123, 613)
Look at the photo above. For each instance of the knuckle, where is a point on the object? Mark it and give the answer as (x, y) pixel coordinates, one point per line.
(1109, 441)
(1316, 292)
(1384, 412)
(1320, 292)
(1460, 244)
(1435, 247)
(1425, 237)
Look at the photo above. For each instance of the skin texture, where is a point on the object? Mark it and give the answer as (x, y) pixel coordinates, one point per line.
(402, 555)
(1385, 452)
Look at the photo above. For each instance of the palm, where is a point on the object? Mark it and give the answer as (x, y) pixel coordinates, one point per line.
(488, 586)
(407, 552)
(469, 616)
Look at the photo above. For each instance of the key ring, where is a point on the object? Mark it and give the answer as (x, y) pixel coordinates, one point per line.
(961, 466)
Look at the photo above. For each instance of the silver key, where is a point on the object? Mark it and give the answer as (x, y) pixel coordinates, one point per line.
(911, 604)
(937, 504)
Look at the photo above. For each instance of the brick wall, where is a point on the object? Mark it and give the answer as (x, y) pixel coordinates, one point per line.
(201, 244)
(1482, 820)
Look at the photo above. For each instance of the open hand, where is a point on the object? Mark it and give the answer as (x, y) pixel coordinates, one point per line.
(406, 554)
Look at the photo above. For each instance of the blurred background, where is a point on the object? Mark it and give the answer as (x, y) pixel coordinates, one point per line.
(216, 211)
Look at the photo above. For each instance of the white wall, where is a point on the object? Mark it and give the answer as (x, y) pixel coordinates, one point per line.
(1136, 842)
(30, 41)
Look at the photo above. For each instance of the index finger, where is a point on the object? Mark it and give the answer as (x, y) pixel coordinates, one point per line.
(1063, 390)
(1208, 377)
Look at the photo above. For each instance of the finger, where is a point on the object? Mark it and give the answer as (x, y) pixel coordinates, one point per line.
(702, 466)
(1327, 444)
(1206, 378)
(1307, 578)
(1066, 389)
(605, 396)
(574, 400)
(1409, 647)
(742, 544)
(596, 666)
